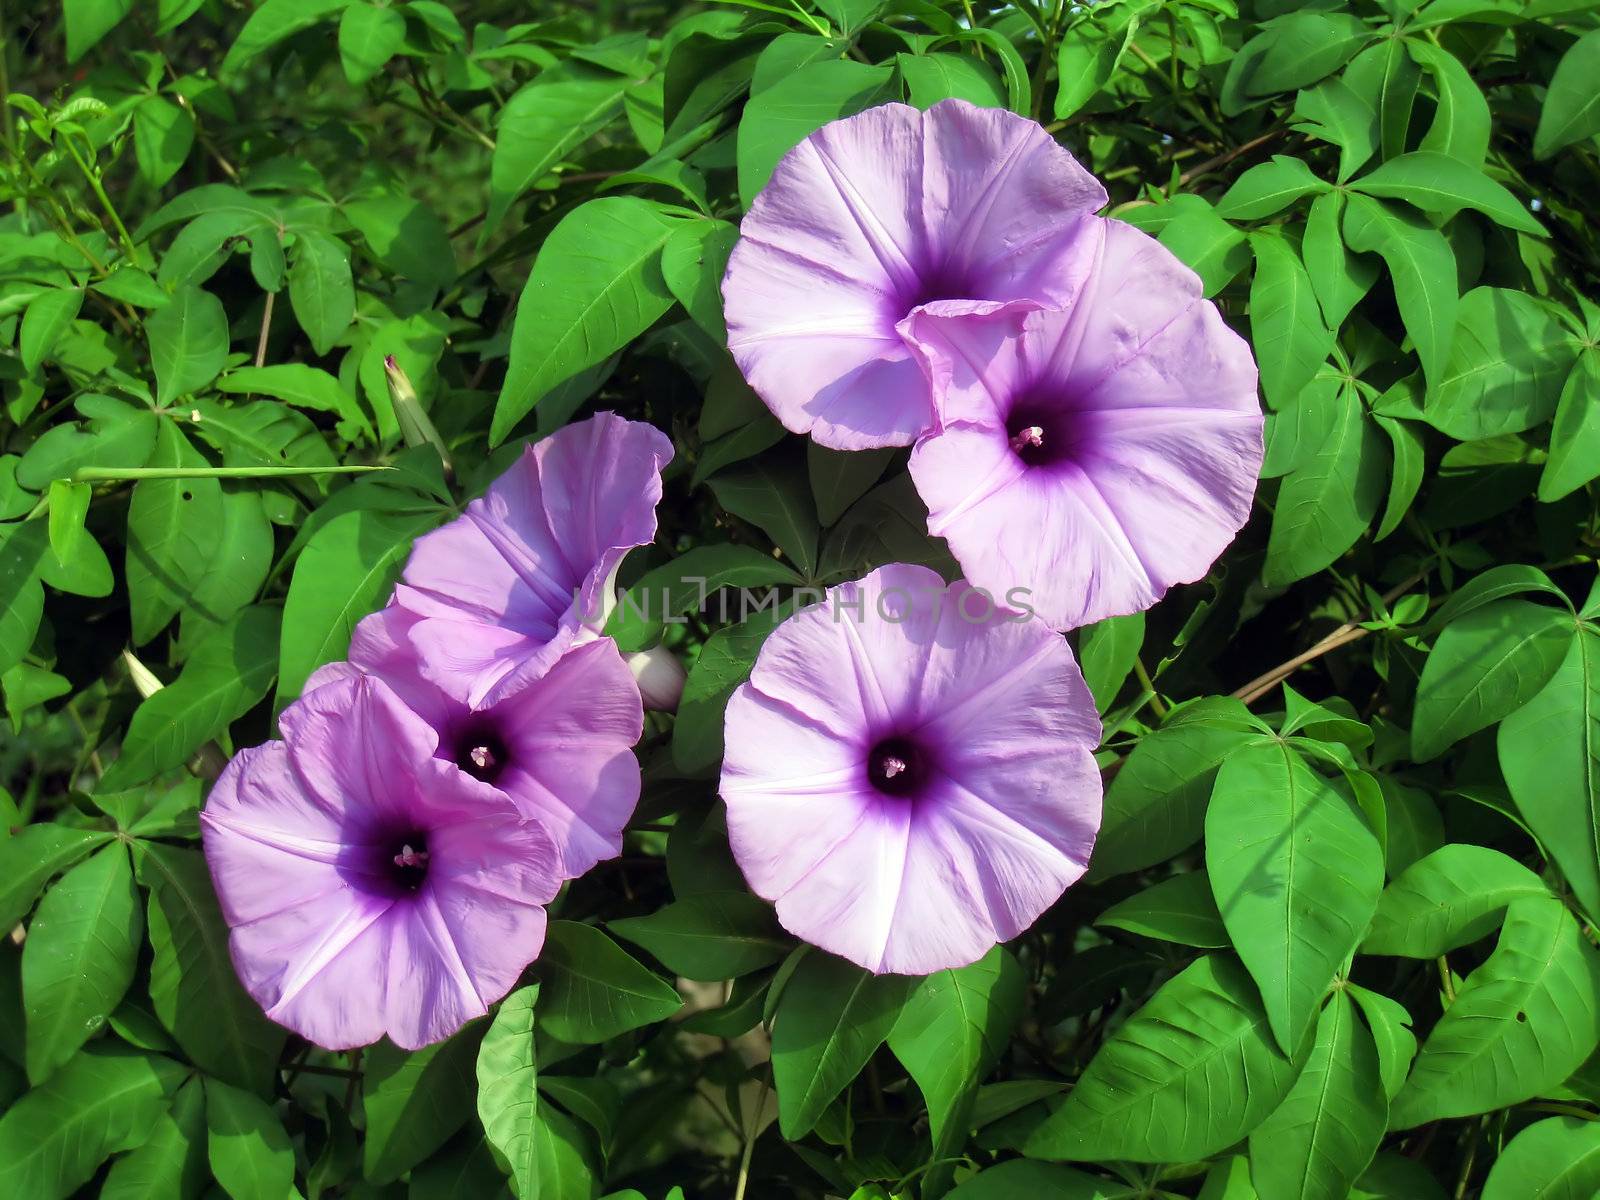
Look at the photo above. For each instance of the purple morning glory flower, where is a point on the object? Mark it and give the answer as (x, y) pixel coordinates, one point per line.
(1097, 454)
(557, 740)
(369, 887)
(910, 773)
(874, 216)
(494, 589)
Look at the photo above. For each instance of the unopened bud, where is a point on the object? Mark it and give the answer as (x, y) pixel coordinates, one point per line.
(415, 427)
(144, 679)
(660, 677)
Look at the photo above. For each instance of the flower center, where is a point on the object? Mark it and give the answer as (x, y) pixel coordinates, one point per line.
(938, 283)
(1040, 435)
(481, 752)
(896, 766)
(406, 865)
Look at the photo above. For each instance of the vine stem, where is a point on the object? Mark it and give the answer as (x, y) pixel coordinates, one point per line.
(1349, 632)
(750, 1135)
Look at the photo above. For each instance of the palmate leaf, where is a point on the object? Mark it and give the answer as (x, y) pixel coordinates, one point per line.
(30, 857)
(1179, 909)
(83, 944)
(1571, 109)
(1024, 1177)
(953, 1029)
(188, 343)
(830, 1018)
(1422, 267)
(1296, 873)
(1318, 1142)
(778, 118)
(172, 1161)
(1189, 1074)
(1550, 755)
(1287, 330)
(711, 936)
(1521, 1023)
(415, 1102)
(249, 1151)
(172, 534)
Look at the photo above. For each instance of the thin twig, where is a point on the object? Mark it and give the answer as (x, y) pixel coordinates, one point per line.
(1349, 632)
(750, 1136)
(266, 329)
(1222, 160)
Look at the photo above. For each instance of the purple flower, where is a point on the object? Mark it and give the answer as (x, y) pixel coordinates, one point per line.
(1093, 455)
(910, 774)
(369, 887)
(494, 589)
(873, 216)
(558, 740)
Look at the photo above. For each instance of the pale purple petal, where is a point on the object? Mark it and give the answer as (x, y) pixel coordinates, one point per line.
(909, 772)
(874, 216)
(518, 575)
(1093, 456)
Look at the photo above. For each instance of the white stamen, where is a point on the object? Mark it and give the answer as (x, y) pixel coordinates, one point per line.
(409, 857)
(893, 766)
(1032, 436)
(481, 757)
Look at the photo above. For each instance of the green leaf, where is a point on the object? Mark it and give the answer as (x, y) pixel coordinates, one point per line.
(1296, 873)
(163, 135)
(1553, 1159)
(193, 987)
(47, 318)
(172, 535)
(87, 21)
(369, 36)
(415, 1101)
(249, 1152)
(780, 117)
(1486, 664)
(1443, 186)
(1520, 1024)
(1268, 188)
(69, 506)
(683, 585)
(1575, 433)
(321, 287)
(1339, 279)
(300, 385)
(508, 1092)
(541, 124)
(595, 990)
(272, 22)
(172, 1161)
(1422, 268)
(1178, 909)
(188, 343)
(773, 492)
(1303, 47)
(1571, 111)
(1290, 338)
(1410, 462)
(595, 286)
(852, 15)
(464, 1170)
(1510, 359)
(1446, 900)
(1207, 244)
(1188, 1075)
(1461, 115)
(31, 856)
(1550, 755)
(1088, 57)
(693, 262)
(1156, 803)
(724, 663)
(931, 78)
(1335, 112)
(83, 944)
(710, 936)
(955, 1026)
(1390, 1025)
(1025, 1177)
(344, 572)
(1327, 502)
(226, 675)
(118, 434)
(1107, 652)
(1507, 579)
(54, 1138)
(830, 1018)
(1319, 1141)
(840, 477)
(22, 551)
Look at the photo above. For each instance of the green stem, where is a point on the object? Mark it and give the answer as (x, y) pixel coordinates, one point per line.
(1157, 704)
(105, 200)
(107, 474)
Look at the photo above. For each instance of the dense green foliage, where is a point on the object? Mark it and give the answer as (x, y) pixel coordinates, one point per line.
(1337, 935)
